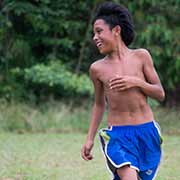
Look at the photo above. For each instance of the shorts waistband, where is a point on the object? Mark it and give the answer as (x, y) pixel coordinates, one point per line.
(134, 126)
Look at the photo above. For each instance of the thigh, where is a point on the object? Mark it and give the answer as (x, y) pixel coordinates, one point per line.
(127, 173)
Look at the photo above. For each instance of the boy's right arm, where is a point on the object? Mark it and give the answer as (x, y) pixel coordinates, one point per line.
(97, 113)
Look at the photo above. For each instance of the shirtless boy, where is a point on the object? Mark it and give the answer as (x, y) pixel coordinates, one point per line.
(124, 78)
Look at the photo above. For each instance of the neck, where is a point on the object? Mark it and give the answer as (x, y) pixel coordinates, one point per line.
(119, 52)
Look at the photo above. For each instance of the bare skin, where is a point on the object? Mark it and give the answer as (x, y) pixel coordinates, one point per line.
(125, 78)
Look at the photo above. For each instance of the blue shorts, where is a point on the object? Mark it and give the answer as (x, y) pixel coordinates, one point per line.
(138, 146)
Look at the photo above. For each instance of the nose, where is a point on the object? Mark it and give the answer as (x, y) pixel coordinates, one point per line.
(95, 38)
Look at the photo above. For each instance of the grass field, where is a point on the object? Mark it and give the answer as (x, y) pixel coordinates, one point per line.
(43, 142)
(57, 157)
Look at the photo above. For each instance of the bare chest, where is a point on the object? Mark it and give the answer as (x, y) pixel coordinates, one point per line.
(125, 68)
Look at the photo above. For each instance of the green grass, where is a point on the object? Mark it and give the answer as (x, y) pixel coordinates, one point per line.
(57, 117)
(47, 117)
(46, 145)
(169, 119)
(57, 157)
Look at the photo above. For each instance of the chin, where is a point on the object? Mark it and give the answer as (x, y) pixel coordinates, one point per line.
(104, 52)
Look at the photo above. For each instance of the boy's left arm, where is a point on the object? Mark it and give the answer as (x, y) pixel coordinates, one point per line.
(151, 87)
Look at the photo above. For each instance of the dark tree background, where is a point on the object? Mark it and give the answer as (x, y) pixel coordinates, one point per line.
(46, 46)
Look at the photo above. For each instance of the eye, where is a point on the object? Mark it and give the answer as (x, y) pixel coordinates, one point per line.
(99, 31)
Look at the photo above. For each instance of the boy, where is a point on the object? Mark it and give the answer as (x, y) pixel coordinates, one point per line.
(124, 77)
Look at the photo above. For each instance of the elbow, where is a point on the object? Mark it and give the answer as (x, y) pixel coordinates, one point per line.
(100, 106)
(161, 95)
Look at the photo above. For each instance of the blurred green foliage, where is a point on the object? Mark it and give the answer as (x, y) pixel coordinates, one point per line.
(46, 46)
(57, 78)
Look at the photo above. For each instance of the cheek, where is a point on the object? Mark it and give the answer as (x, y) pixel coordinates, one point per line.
(109, 39)
(108, 43)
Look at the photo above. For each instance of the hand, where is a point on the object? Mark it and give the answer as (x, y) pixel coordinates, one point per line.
(86, 151)
(121, 83)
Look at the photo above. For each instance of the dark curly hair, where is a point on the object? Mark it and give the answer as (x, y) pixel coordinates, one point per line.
(114, 14)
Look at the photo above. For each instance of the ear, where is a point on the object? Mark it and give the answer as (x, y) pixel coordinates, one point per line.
(116, 30)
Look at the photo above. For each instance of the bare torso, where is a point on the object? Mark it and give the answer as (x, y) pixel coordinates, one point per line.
(129, 106)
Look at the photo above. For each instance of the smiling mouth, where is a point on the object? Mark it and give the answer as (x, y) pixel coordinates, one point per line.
(98, 44)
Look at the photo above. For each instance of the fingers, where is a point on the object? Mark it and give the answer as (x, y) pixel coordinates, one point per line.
(119, 83)
(116, 83)
(118, 80)
(119, 87)
(115, 78)
(85, 153)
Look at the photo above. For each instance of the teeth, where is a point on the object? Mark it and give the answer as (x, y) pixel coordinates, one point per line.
(99, 44)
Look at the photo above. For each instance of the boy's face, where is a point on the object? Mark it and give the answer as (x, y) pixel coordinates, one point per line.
(103, 37)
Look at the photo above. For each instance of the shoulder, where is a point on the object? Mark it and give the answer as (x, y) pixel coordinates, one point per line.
(96, 66)
(143, 54)
(95, 69)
